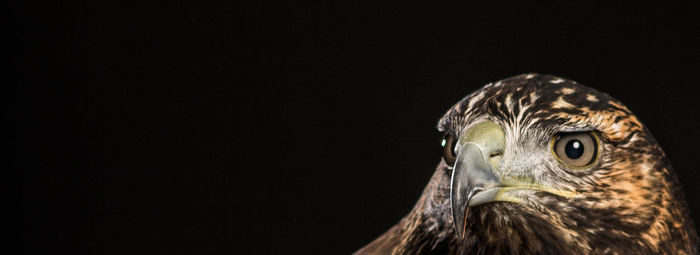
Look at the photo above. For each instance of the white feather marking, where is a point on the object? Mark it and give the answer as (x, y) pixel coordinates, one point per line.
(561, 103)
(591, 98)
(567, 91)
(509, 102)
(533, 97)
(475, 99)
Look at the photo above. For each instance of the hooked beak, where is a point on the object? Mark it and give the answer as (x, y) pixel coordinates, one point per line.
(473, 183)
(473, 179)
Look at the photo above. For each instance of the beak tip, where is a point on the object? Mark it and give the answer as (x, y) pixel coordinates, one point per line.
(470, 176)
(460, 209)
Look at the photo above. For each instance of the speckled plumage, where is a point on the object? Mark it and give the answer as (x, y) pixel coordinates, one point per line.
(629, 202)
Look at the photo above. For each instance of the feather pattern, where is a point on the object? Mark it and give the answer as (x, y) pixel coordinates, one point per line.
(629, 202)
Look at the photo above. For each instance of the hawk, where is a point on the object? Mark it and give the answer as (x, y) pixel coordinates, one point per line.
(538, 164)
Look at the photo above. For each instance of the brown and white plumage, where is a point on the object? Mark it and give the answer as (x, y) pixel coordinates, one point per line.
(627, 201)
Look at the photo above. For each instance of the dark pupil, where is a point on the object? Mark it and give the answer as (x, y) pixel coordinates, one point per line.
(574, 149)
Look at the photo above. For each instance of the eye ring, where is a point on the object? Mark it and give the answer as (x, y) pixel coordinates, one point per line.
(448, 144)
(577, 150)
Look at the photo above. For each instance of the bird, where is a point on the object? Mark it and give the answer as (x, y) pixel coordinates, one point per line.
(540, 164)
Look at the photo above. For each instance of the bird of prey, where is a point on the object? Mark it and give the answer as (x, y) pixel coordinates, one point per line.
(538, 164)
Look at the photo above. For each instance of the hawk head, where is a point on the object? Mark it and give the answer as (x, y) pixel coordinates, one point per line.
(541, 164)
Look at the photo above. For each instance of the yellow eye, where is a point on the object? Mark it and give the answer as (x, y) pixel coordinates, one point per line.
(448, 149)
(577, 150)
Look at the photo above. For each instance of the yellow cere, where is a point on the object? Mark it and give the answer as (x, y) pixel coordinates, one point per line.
(513, 184)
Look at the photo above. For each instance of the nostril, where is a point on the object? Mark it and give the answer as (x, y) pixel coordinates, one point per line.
(496, 154)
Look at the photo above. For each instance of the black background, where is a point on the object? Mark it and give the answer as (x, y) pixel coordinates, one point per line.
(294, 127)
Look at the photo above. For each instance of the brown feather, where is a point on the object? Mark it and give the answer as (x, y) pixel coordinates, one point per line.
(630, 202)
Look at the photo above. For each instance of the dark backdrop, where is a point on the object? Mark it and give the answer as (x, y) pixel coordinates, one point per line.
(293, 127)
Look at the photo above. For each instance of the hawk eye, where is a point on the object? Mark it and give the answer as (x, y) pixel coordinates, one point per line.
(576, 150)
(448, 149)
